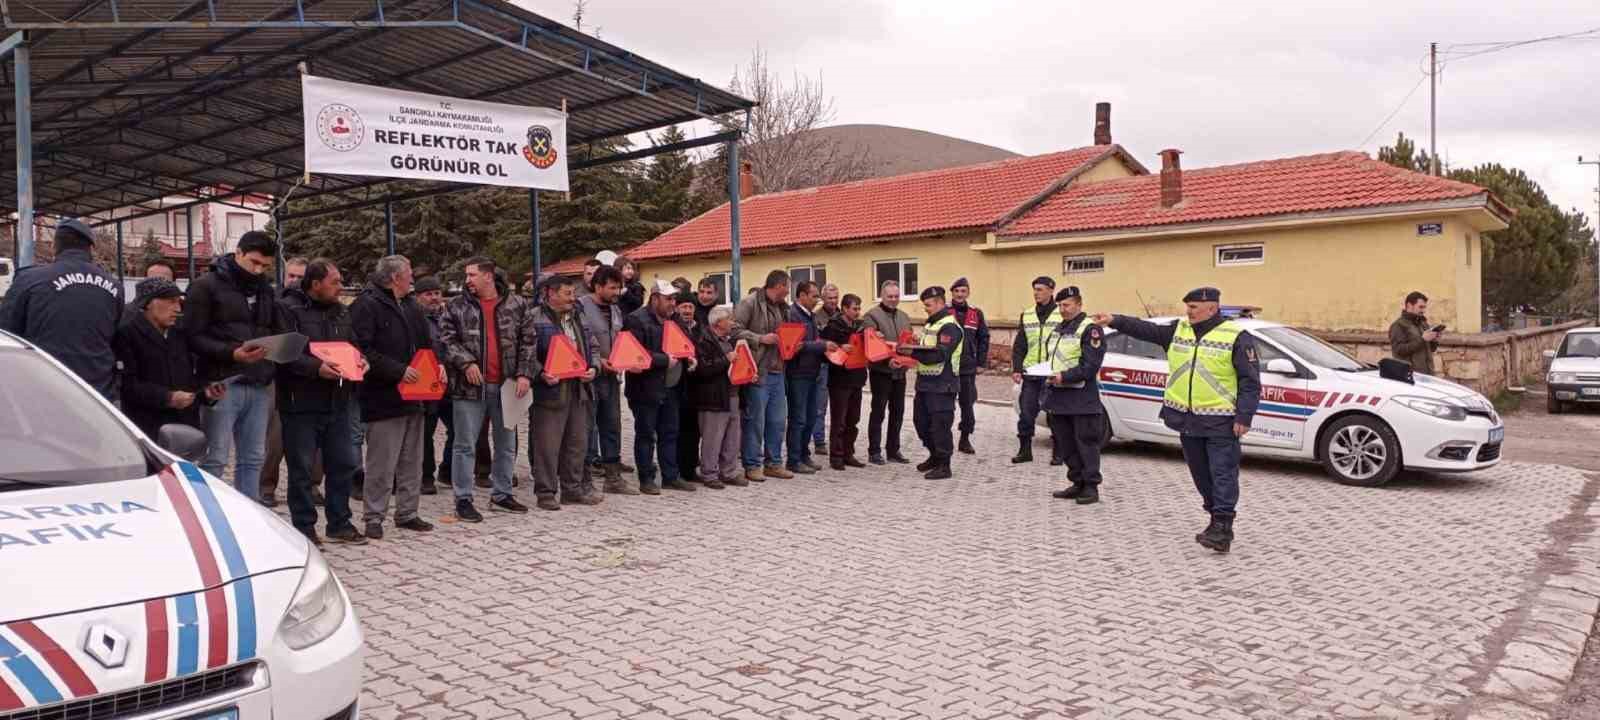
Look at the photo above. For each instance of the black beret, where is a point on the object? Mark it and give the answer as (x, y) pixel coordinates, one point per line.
(683, 297)
(959, 283)
(1046, 281)
(933, 291)
(1204, 294)
(427, 284)
(1070, 291)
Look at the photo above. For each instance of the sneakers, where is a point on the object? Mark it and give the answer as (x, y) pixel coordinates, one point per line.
(616, 486)
(777, 471)
(736, 481)
(801, 469)
(938, 472)
(678, 484)
(853, 461)
(875, 458)
(966, 444)
(649, 489)
(415, 524)
(347, 536)
(547, 503)
(508, 504)
(811, 464)
(896, 457)
(374, 531)
(465, 512)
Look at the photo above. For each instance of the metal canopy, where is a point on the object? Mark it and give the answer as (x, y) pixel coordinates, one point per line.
(137, 100)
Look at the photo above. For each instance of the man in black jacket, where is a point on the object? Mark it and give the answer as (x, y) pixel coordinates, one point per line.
(227, 308)
(389, 329)
(558, 428)
(650, 395)
(314, 407)
(435, 466)
(844, 386)
(69, 308)
(1072, 396)
(938, 357)
(974, 356)
(159, 386)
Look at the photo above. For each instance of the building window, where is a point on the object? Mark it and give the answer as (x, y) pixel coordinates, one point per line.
(723, 281)
(1252, 254)
(1078, 264)
(814, 273)
(900, 271)
(239, 224)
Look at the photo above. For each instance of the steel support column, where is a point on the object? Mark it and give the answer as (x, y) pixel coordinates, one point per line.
(121, 273)
(24, 118)
(388, 225)
(188, 229)
(533, 229)
(735, 293)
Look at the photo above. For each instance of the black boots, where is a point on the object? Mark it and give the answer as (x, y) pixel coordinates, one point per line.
(939, 471)
(1082, 494)
(1024, 451)
(927, 465)
(1071, 493)
(966, 444)
(1218, 535)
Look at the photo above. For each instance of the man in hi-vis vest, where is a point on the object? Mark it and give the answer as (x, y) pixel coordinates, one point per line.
(1072, 396)
(1213, 387)
(1027, 351)
(938, 356)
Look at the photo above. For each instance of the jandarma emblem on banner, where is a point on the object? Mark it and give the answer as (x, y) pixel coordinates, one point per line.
(340, 128)
(540, 150)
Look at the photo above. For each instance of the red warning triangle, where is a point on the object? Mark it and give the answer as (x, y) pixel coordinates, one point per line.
(876, 348)
(627, 354)
(858, 352)
(838, 356)
(743, 369)
(563, 361)
(790, 335)
(341, 354)
(430, 379)
(674, 342)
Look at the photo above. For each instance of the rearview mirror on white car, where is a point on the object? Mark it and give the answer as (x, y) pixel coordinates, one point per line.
(1281, 366)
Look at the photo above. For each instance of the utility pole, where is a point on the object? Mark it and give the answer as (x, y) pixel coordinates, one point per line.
(1433, 109)
(1596, 226)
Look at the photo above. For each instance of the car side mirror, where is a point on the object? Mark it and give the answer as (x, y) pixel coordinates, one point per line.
(1549, 354)
(182, 440)
(1281, 366)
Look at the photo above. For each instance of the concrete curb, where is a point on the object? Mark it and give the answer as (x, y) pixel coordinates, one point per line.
(1545, 639)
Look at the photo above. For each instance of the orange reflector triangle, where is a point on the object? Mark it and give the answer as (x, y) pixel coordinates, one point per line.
(628, 354)
(430, 379)
(342, 355)
(563, 361)
(743, 369)
(674, 342)
(790, 335)
(858, 352)
(876, 348)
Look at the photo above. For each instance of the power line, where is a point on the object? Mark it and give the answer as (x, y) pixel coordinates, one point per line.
(1395, 112)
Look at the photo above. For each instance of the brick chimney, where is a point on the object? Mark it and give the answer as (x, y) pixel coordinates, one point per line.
(747, 180)
(1171, 178)
(1102, 123)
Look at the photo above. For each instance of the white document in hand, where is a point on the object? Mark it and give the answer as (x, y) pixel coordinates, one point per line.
(515, 408)
(281, 348)
(1039, 370)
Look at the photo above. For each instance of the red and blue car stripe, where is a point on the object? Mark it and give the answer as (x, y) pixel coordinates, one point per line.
(43, 690)
(243, 593)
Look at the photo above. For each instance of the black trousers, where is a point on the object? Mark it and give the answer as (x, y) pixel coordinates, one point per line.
(934, 415)
(1078, 436)
(888, 396)
(1032, 397)
(1214, 467)
(844, 409)
(968, 397)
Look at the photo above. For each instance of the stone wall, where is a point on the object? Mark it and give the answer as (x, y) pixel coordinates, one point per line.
(1486, 362)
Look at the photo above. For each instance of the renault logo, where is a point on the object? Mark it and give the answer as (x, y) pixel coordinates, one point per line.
(107, 646)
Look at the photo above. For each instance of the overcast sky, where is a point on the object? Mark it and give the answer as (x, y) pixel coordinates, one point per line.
(1257, 79)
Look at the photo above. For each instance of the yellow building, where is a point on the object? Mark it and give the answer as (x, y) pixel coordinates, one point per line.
(1331, 241)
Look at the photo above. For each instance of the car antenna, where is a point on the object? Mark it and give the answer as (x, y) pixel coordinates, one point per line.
(1146, 305)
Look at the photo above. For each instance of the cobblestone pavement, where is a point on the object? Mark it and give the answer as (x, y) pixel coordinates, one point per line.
(878, 594)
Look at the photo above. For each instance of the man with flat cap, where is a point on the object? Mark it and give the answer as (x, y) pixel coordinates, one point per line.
(938, 356)
(1213, 388)
(69, 308)
(974, 356)
(1072, 396)
(1027, 351)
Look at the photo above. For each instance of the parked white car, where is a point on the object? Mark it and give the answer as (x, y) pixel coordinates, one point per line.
(1317, 403)
(137, 586)
(1574, 369)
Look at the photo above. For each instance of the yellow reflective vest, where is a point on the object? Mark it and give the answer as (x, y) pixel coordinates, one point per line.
(1036, 332)
(1200, 375)
(930, 338)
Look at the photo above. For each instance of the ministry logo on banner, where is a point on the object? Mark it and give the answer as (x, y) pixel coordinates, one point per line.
(354, 129)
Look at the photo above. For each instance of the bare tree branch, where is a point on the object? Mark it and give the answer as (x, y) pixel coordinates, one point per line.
(783, 151)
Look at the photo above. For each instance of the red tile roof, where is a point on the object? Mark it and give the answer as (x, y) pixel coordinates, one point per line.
(570, 266)
(1332, 181)
(972, 196)
(202, 251)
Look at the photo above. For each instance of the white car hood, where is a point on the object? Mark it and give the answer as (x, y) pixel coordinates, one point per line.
(1427, 386)
(106, 544)
(1575, 364)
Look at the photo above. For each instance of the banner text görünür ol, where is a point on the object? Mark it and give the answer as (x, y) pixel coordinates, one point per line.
(353, 129)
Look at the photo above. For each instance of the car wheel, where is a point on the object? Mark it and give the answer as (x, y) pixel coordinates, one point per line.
(1554, 406)
(1361, 450)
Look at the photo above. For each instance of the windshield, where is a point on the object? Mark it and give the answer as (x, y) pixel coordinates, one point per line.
(1580, 345)
(1309, 349)
(52, 431)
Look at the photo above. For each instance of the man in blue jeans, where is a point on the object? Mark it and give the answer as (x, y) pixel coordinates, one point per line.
(653, 394)
(602, 318)
(485, 332)
(824, 315)
(756, 320)
(801, 374)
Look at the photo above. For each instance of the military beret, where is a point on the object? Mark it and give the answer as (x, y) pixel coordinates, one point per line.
(1204, 294)
(1070, 291)
(933, 291)
(960, 283)
(77, 226)
(1046, 281)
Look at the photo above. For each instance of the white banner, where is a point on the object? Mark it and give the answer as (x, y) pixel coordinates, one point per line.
(353, 129)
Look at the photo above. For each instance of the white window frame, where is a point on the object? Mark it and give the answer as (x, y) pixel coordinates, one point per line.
(900, 274)
(1218, 250)
(229, 217)
(1067, 260)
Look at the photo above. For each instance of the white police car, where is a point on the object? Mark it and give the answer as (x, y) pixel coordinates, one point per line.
(137, 586)
(1574, 370)
(1318, 403)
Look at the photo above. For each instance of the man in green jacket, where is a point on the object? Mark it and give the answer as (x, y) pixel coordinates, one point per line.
(1411, 338)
